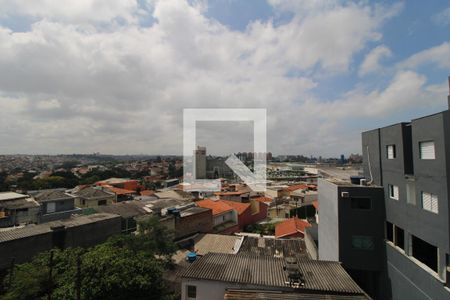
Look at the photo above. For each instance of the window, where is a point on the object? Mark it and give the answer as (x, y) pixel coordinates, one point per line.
(425, 253)
(427, 150)
(399, 237)
(389, 232)
(393, 192)
(390, 151)
(191, 291)
(51, 207)
(361, 242)
(101, 202)
(361, 203)
(411, 193)
(430, 202)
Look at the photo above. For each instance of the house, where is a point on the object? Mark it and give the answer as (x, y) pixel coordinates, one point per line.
(248, 213)
(93, 197)
(215, 275)
(291, 228)
(17, 209)
(225, 217)
(193, 220)
(121, 194)
(122, 183)
(238, 196)
(243, 210)
(55, 204)
(129, 211)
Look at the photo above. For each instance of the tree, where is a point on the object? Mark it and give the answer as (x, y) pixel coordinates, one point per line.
(124, 267)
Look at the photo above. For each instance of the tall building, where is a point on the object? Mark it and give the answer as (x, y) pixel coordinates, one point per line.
(351, 230)
(410, 162)
(200, 163)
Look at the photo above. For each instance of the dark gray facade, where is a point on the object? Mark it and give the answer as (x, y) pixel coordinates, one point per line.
(351, 230)
(417, 239)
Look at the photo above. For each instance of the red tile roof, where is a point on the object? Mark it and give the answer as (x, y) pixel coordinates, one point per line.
(297, 187)
(290, 227)
(118, 191)
(240, 207)
(147, 193)
(217, 207)
(238, 193)
(263, 199)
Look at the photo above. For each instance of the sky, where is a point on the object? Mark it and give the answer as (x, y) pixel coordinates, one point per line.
(114, 77)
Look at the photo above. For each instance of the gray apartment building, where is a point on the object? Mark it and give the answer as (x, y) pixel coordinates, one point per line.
(410, 162)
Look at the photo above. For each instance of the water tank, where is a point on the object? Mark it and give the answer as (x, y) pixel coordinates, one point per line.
(191, 257)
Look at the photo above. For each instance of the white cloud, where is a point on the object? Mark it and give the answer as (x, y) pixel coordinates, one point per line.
(438, 56)
(77, 12)
(69, 85)
(371, 62)
(442, 18)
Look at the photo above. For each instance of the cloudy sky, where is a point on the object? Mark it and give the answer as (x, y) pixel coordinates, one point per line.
(110, 76)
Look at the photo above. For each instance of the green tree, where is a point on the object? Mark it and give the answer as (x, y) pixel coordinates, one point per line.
(124, 267)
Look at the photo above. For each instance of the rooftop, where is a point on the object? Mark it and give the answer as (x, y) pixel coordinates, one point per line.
(217, 243)
(10, 234)
(218, 207)
(52, 195)
(8, 196)
(127, 209)
(232, 294)
(268, 271)
(274, 247)
(238, 206)
(290, 227)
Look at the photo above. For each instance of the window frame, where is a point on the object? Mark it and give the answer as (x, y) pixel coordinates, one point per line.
(394, 152)
(391, 191)
(361, 238)
(189, 291)
(356, 207)
(434, 202)
(433, 157)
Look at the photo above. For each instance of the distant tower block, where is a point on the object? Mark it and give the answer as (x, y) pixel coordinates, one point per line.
(200, 163)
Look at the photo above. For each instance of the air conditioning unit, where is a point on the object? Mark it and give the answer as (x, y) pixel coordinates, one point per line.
(345, 194)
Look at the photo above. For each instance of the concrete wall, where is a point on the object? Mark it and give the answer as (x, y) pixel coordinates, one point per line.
(329, 224)
(189, 225)
(408, 281)
(85, 235)
(371, 149)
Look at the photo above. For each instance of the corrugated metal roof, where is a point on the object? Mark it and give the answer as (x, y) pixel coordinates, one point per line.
(274, 247)
(279, 295)
(8, 196)
(217, 243)
(10, 234)
(268, 271)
